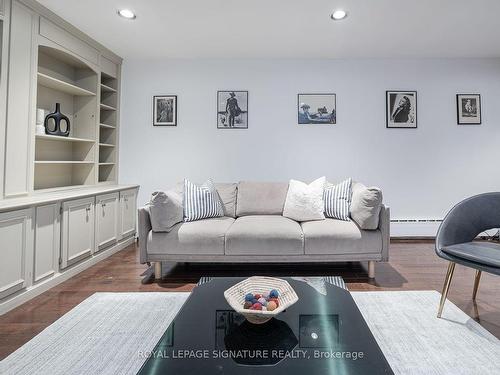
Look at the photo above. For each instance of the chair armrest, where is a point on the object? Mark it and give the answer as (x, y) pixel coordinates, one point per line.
(384, 225)
(144, 229)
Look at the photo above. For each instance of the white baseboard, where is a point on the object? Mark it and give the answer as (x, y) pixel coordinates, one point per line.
(38, 288)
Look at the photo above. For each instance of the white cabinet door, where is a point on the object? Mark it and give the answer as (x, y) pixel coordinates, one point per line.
(77, 231)
(16, 251)
(128, 212)
(106, 227)
(47, 240)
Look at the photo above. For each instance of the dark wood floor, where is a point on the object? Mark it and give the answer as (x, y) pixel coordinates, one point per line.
(413, 266)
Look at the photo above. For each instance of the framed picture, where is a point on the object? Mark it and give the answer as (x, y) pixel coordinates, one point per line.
(232, 109)
(468, 109)
(317, 108)
(401, 109)
(165, 110)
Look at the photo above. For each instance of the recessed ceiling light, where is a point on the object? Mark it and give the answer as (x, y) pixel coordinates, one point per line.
(127, 13)
(338, 15)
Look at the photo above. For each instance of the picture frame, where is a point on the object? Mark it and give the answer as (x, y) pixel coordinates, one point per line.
(324, 109)
(165, 110)
(232, 109)
(469, 109)
(401, 109)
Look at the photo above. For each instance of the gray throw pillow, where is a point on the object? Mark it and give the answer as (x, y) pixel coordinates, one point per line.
(365, 206)
(165, 209)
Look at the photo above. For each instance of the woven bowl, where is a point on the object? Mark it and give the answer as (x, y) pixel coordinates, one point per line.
(235, 296)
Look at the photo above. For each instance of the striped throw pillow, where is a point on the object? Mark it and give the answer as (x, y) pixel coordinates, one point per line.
(338, 200)
(201, 202)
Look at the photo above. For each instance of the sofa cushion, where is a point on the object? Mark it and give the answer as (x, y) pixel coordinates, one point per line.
(365, 206)
(261, 198)
(201, 201)
(194, 237)
(165, 210)
(227, 194)
(264, 235)
(332, 236)
(338, 199)
(305, 202)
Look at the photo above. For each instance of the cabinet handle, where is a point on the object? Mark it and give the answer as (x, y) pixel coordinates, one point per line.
(104, 204)
(87, 209)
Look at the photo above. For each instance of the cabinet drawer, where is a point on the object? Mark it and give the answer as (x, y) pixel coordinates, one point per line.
(109, 67)
(128, 213)
(16, 251)
(77, 231)
(106, 220)
(68, 41)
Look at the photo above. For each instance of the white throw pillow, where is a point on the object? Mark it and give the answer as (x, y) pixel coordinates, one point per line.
(305, 202)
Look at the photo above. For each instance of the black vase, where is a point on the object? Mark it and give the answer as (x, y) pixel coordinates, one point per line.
(57, 117)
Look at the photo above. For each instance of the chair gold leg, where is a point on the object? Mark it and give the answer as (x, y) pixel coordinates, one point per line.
(446, 287)
(476, 284)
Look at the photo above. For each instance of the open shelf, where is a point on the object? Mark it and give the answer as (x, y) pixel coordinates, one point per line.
(49, 176)
(57, 138)
(57, 84)
(106, 172)
(106, 107)
(62, 162)
(108, 119)
(106, 88)
(106, 126)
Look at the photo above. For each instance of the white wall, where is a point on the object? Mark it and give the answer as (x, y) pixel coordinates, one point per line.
(422, 171)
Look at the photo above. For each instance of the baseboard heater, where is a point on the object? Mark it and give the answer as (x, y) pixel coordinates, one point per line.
(427, 229)
(415, 228)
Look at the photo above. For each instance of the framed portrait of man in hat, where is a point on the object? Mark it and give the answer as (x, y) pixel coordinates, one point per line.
(317, 109)
(232, 109)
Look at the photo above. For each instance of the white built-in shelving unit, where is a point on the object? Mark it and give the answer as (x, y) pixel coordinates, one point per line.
(108, 128)
(89, 98)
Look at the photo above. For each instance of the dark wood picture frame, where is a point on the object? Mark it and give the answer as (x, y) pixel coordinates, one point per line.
(155, 109)
(478, 97)
(218, 112)
(334, 97)
(387, 114)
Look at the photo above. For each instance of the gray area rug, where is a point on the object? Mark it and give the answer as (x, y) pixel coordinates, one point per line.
(106, 332)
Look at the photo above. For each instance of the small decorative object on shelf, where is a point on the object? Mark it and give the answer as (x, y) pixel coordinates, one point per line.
(40, 119)
(53, 121)
(260, 298)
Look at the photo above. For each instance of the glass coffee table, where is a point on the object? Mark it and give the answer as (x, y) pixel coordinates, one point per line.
(323, 333)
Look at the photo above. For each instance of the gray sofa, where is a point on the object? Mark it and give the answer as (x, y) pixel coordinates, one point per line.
(254, 230)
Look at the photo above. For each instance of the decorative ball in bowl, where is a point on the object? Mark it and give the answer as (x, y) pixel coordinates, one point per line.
(260, 298)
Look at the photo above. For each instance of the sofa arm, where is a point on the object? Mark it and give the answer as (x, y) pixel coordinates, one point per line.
(144, 229)
(384, 225)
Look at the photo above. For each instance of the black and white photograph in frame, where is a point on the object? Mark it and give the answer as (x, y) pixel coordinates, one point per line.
(468, 109)
(316, 108)
(401, 109)
(232, 109)
(165, 110)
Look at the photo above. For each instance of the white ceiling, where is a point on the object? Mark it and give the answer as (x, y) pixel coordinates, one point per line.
(289, 28)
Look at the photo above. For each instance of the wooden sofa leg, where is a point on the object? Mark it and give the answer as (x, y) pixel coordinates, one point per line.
(371, 269)
(158, 270)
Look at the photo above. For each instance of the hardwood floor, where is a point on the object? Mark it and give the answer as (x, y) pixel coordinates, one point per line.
(412, 266)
